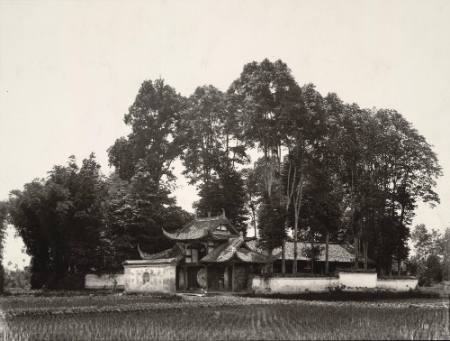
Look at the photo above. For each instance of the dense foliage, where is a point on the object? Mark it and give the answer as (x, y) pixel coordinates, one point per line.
(212, 151)
(135, 211)
(153, 142)
(60, 220)
(337, 169)
(326, 171)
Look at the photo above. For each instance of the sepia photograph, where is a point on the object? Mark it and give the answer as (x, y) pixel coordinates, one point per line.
(224, 170)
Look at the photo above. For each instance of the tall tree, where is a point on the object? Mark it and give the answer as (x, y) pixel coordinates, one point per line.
(385, 168)
(138, 205)
(266, 97)
(254, 191)
(153, 117)
(271, 217)
(212, 152)
(304, 133)
(209, 135)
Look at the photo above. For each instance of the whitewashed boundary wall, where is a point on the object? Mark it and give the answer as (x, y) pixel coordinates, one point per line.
(401, 284)
(293, 285)
(356, 280)
(345, 280)
(107, 281)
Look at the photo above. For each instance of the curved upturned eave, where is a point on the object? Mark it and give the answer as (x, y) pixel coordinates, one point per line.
(142, 254)
(176, 236)
(168, 234)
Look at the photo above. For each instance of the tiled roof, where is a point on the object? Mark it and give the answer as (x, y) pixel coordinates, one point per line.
(223, 252)
(250, 256)
(201, 227)
(176, 252)
(336, 252)
(234, 247)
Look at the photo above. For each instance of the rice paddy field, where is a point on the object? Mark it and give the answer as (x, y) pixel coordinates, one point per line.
(123, 317)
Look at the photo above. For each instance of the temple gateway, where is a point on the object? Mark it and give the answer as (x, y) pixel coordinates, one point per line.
(209, 254)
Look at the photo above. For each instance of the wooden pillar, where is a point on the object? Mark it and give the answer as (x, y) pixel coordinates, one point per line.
(186, 286)
(226, 278)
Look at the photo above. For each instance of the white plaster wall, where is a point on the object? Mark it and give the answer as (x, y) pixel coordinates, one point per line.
(293, 285)
(397, 284)
(358, 280)
(161, 278)
(107, 281)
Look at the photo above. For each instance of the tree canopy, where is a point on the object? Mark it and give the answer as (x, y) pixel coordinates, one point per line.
(326, 170)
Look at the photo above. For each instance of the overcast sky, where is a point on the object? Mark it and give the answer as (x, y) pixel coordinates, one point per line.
(70, 69)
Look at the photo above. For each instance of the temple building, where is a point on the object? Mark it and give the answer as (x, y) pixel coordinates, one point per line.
(340, 257)
(209, 254)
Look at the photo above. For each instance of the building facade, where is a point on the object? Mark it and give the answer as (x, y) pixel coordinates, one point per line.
(209, 254)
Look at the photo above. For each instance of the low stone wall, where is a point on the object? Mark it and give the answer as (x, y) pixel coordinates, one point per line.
(293, 285)
(397, 284)
(346, 280)
(357, 280)
(107, 281)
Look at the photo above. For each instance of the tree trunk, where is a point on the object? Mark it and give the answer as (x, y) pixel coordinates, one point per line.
(297, 206)
(254, 224)
(365, 251)
(294, 264)
(327, 246)
(356, 247)
(270, 269)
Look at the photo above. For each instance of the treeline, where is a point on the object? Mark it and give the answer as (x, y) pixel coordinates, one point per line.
(431, 259)
(328, 171)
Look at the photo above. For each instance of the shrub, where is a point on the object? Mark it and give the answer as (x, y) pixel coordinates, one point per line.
(17, 279)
